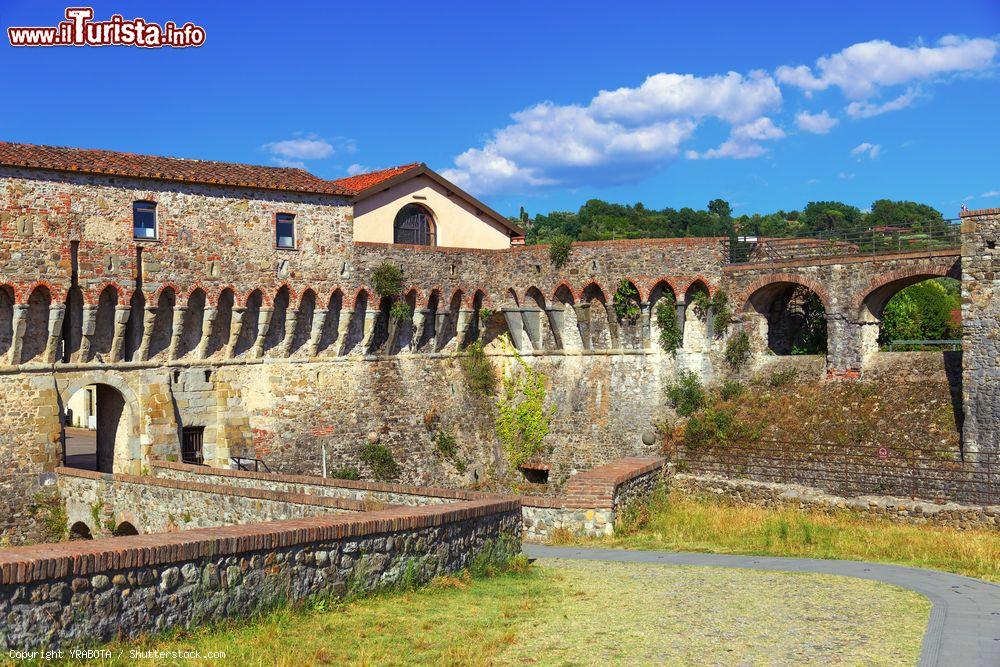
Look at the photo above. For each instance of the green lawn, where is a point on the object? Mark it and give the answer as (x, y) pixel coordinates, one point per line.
(715, 524)
(575, 612)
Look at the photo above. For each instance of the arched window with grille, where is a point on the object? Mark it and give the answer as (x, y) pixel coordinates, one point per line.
(414, 225)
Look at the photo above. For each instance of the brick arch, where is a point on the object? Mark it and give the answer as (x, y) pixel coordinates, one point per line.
(525, 298)
(563, 283)
(690, 281)
(638, 284)
(187, 297)
(243, 299)
(595, 284)
(352, 300)
(56, 293)
(413, 289)
(487, 299)
(217, 294)
(155, 296)
(426, 302)
(933, 271)
(463, 296)
(14, 290)
(292, 294)
(744, 299)
(665, 280)
(298, 302)
(92, 296)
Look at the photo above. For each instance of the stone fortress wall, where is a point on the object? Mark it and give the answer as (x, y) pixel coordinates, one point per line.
(278, 353)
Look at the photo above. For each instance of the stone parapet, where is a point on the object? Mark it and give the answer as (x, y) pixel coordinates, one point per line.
(83, 592)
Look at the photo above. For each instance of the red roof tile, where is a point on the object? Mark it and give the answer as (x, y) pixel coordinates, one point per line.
(165, 168)
(362, 182)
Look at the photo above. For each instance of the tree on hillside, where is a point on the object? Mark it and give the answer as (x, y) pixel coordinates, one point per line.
(832, 216)
(908, 214)
(721, 208)
(921, 312)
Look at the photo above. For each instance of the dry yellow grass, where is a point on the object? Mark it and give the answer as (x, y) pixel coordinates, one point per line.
(681, 522)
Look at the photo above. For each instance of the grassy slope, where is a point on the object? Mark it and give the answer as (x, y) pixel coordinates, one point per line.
(582, 613)
(715, 524)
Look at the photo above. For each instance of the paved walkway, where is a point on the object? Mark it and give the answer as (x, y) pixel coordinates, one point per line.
(964, 627)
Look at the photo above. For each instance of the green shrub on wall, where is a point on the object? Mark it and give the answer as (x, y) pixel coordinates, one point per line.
(400, 311)
(522, 418)
(738, 350)
(559, 249)
(626, 302)
(387, 279)
(480, 376)
(347, 472)
(686, 395)
(447, 448)
(671, 336)
(379, 459)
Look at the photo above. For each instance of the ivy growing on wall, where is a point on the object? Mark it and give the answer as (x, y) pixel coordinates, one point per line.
(626, 302)
(400, 311)
(480, 375)
(671, 336)
(522, 418)
(718, 305)
(738, 350)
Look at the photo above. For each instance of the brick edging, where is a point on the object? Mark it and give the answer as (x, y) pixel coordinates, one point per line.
(19, 565)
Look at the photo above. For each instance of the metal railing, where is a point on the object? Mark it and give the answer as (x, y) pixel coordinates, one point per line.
(251, 465)
(955, 345)
(876, 241)
(851, 469)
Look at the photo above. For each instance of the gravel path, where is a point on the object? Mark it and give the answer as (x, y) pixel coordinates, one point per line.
(964, 625)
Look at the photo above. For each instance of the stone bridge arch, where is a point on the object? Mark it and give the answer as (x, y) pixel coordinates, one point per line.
(118, 419)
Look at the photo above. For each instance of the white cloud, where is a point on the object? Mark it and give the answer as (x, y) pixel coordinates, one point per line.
(845, 175)
(862, 69)
(867, 109)
(817, 123)
(731, 97)
(743, 141)
(295, 151)
(355, 169)
(990, 194)
(863, 150)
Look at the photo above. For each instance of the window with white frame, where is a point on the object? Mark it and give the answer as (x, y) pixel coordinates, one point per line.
(284, 230)
(144, 220)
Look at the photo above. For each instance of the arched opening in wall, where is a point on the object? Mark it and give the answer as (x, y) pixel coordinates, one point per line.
(72, 326)
(104, 325)
(134, 328)
(381, 334)
(915, 313)
(276, 331)
(404, 322)
(222, 325)
(193, 325)
(627, 307)
(95, 425)
(787, 318)
(427, 337)
(664, 326)
(569, 332)
(476, 326)
(356, 325)
(536, 320)
(250, 324)
(303, 323)
(6, 320)
(36, 329)
(124, 529)
(163, 324)
(328, 340)
(449, 328)
(696, 300)
(597, 314)
(414, 225)
(80, 531)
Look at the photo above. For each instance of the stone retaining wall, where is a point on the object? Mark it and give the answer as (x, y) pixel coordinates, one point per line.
(900, 510)
(84, 592)
(151, 505)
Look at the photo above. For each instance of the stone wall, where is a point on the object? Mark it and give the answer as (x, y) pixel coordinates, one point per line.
(86, 592)
(892, 508)
(980, 321)
(103, 502)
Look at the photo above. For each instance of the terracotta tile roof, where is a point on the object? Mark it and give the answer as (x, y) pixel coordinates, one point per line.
(362, 182)
(165, 168)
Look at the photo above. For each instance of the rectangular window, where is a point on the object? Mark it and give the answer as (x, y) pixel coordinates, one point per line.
(144, 219)
(193, 439)
(284, 230)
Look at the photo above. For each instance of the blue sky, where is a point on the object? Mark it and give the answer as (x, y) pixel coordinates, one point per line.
(548, 104)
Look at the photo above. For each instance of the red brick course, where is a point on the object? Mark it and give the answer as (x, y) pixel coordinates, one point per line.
(55, 561)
